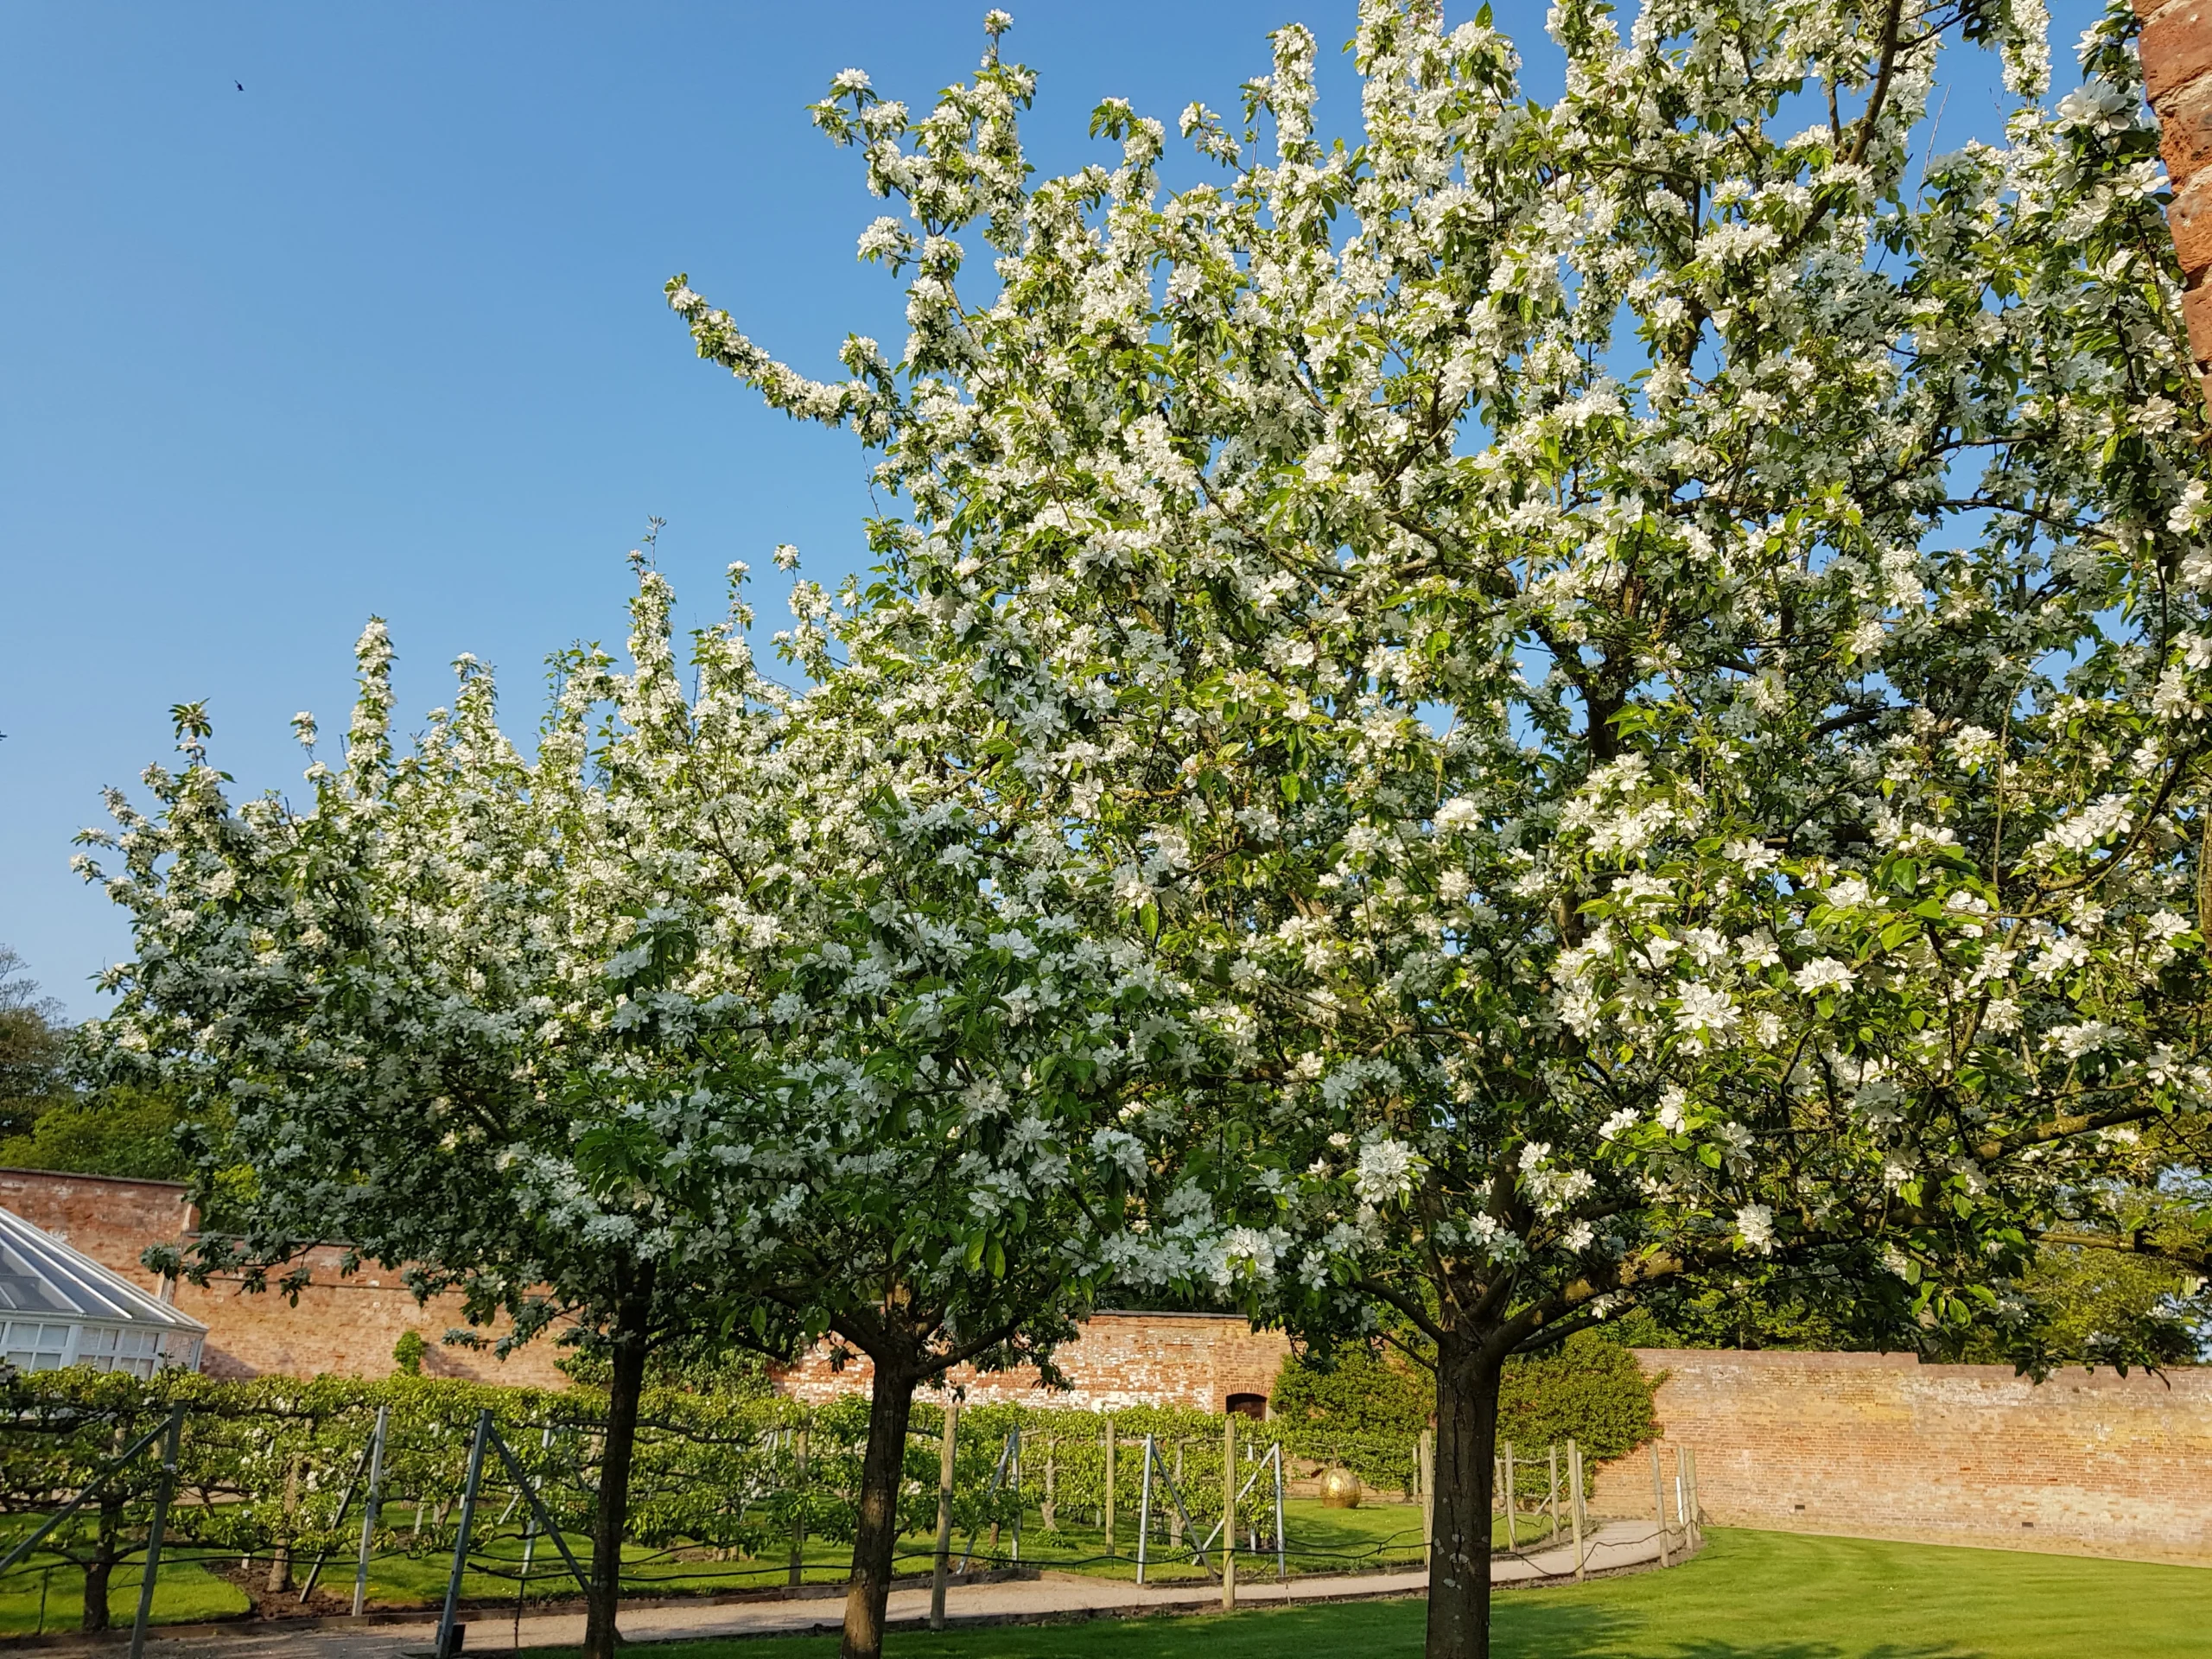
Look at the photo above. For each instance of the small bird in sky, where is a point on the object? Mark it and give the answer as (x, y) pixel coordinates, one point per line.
(239, 84)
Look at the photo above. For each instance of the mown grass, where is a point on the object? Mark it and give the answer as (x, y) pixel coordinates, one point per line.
(185, 1593)
(1751, 1595)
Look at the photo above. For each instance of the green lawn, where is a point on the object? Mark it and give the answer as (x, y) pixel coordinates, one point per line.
(1316, 1539)
(1751, 1595)
(185, 1594)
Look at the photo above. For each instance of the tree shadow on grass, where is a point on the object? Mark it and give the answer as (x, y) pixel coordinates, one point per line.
(1564, 1633)
(1364, 1630)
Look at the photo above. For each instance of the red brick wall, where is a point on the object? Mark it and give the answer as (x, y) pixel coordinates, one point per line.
(2177, 47)
(1119, 1360)
(111, 1221)
(346, 1326)
(1881, 1445)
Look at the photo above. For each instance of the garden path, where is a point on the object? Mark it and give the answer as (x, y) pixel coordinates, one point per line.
(1618, 1546)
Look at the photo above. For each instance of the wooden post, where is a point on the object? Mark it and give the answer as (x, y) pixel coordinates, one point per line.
(798, 1514)
(280, 1558)
(1574, 1502)
(1512, 1540)
(1109, 1486)
(1551, 1459)
(1175, 1520)
(1659, 1504)
(1428, 1456)
(1696, 1512)
(941, 1569)
(1229, 1512)
(1049, 1510)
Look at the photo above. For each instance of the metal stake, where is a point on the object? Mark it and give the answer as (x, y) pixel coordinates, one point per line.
(345, 1506)
(90, 1490)
(448, 1648)
(369, 1510)
(1016, 1479)
(163, 1494)
(530, 1527)
(543, 1515)
(998, 1479)
(1144, 1509)
(1281, 1560)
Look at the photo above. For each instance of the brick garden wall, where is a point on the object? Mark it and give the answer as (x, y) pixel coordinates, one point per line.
(1879, 1445)
(1872, 1445)
(1119, 1360)
(111, 1221)
(346, 1326)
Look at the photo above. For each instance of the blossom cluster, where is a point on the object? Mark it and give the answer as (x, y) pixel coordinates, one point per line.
(1647, 665)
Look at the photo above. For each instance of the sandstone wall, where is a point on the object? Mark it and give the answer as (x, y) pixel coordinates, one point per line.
(346, 1326)
(1881, 1445)
(1120, 1360)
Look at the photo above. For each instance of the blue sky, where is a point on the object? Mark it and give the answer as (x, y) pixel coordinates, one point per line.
(383, 333)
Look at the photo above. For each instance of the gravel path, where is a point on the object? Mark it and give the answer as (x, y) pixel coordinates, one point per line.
(1618, 1546)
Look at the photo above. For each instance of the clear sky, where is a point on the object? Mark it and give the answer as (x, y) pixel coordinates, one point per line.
(383, 333)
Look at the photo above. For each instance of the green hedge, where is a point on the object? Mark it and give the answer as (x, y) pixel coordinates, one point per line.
(265, 1462)
(1590, 1389)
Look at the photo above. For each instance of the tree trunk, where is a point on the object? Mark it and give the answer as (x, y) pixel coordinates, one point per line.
(610, 1516)
(100, 1567)
(280, 1559)
(883, 1470)
(1466, 1448)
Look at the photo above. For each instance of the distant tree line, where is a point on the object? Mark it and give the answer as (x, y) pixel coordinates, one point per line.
(51, 1118)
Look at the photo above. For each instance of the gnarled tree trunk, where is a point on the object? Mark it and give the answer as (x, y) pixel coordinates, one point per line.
(1467, 1372)
(610, 1516)
(99, 1566)
(891, 1404)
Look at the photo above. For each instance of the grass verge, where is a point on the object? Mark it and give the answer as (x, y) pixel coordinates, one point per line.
(1751, 1595)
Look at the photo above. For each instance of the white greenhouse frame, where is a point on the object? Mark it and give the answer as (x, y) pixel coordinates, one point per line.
(59, 1307)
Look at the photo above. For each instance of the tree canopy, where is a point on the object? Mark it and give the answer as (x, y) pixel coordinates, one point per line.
(34, 1047)
(1534, 714)
(1649, 654)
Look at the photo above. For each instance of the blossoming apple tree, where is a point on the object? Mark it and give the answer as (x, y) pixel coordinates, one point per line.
(1648, 655)
(413, 997)
(945, 1110)
(725, 1009)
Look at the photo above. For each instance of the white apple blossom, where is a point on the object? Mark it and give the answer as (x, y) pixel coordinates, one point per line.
(1528, 543)
(1823, 974)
